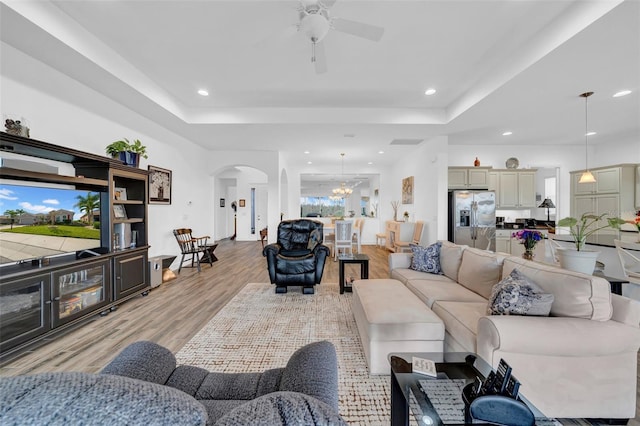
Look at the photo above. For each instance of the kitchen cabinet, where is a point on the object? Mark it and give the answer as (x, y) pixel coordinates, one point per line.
(613, 193)
(469, 177)
(493, 181)
(517, 189)
(503, 240)
(608, 181)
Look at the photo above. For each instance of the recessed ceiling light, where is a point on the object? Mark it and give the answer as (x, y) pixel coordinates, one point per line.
(591, 133)
(309, 162)
(370, 163)
(203, 92)
(507, 133)
(307, 152)
(380, 152)
(430, 92)
(622, 93)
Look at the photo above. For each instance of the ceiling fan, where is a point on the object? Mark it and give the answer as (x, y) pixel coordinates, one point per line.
(316, 21)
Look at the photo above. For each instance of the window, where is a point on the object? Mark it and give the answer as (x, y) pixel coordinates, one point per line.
(322, 206)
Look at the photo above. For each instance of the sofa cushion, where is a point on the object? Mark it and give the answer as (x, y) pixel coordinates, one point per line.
(393, 312)
(64, 398)
(518, 295)
(426, 259)
(405, 274)
(133, 362)
(575, 294)
(441, 288)
(461, 320)
(282, 408)
(450, 258)
(480, 270)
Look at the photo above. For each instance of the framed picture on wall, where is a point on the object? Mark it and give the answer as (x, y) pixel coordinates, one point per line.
(241, 202)
(159, 185)
(221, 202)
(407, 190)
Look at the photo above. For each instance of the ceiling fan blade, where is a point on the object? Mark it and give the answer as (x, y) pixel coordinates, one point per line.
(358, 29)
(320, 61)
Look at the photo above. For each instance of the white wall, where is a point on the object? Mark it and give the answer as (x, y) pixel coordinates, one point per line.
(64, 112)
(428, 166)
(266, 162)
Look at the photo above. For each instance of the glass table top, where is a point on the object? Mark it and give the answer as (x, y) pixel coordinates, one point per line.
(438, 400)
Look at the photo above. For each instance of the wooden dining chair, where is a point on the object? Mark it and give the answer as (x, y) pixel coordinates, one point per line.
(400, 246)
(357, 233)
(196, 247)
(343, 238)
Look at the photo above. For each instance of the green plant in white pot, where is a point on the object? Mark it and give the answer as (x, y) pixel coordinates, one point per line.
(579, 259)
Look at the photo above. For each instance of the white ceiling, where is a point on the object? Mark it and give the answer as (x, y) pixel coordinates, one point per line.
(497, 65)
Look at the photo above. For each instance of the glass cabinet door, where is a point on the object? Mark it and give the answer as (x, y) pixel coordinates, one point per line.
(24, 310)
(80, 289)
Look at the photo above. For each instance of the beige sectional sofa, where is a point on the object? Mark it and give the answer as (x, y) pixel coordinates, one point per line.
(580, 361)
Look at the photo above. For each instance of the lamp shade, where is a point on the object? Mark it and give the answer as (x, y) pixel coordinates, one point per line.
(547, 203)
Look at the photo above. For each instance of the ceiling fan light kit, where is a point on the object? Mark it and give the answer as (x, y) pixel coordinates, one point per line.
(315, 23)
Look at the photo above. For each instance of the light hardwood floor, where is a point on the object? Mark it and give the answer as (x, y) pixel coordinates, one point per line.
(172, 313)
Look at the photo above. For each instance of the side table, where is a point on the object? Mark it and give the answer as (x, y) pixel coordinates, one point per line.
(362, 259)
(210, 249)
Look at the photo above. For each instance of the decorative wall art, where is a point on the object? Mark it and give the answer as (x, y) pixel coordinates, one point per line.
(241, 203)
(407, 190)
(221, 202)
(159, 185)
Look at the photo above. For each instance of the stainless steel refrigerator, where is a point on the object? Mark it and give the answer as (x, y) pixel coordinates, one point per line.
(472, 218)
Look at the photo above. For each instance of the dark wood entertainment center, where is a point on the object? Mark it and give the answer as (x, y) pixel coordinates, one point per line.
(42, 297)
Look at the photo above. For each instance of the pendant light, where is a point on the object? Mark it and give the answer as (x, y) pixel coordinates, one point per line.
(587, 176)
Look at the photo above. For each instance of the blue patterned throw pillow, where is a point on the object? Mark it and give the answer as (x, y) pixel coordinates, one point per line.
(518, 295)
(426, 259)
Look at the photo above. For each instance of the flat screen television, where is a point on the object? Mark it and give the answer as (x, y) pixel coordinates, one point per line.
(45, 220)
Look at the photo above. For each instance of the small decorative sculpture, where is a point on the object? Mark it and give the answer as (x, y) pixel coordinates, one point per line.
(15, 127)
(476, 163)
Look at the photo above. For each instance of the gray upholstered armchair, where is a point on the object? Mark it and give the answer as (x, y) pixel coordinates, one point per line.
(298, 256)
(144, 386)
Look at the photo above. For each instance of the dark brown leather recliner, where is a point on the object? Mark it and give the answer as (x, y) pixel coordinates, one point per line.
(298, 256)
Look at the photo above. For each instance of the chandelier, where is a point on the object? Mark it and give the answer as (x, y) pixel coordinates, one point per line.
(342, 191)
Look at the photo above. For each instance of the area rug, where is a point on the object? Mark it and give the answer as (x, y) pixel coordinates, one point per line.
(259, 329)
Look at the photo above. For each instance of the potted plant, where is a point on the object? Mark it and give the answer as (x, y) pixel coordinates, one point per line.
(128, 152)
(582, 260)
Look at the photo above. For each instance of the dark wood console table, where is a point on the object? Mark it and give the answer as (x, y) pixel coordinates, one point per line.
(362, 259)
